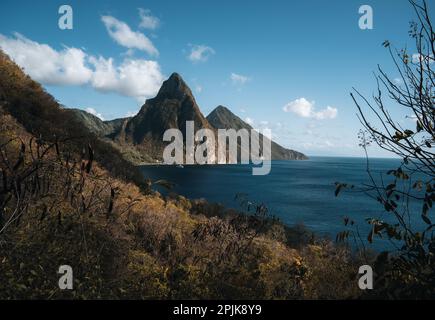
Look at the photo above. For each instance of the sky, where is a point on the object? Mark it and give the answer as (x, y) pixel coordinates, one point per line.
(284, 65)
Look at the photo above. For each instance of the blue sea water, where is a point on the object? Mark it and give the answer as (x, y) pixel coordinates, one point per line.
(297, 192)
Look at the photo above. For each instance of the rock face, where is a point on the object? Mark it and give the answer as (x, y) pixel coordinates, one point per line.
(171, 108)
(223, 118)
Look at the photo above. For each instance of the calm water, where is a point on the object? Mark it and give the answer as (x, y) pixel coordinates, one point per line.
(295, 191)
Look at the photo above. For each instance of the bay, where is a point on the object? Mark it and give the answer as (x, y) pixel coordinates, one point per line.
(297, 192)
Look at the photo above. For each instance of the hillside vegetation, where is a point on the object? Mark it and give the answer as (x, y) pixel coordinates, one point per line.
(41, 115)
(66, 197)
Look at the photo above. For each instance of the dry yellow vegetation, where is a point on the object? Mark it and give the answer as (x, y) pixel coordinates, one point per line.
(124, 242)
(68, 198)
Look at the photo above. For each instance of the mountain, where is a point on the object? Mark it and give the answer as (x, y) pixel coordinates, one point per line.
(170, 109)
(140, 138)
(98, 126)
(107, 131)
(223, 118)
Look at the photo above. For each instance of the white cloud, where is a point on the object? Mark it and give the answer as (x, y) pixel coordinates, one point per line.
(198, 88)
(124, 36)
(329, 143)
(261, 126)
(249, 121)
(130, 114)
(200, 53)
(95, 113)
(304, 108)
(328, 113)
(128, 53)
(319, 144)
(147, 20)
(417, 57)
(133, 78)
(41, 62)
(136, 78)
(238, 79)
(412, 118)
(397, 81)
(309, 132)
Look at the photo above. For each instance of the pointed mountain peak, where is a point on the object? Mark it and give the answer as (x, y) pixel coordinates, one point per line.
(174, 88)
(221, 108)
(222, 118)
(175, 77)
(222, 111)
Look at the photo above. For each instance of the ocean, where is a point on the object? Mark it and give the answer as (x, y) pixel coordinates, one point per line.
(296, 192)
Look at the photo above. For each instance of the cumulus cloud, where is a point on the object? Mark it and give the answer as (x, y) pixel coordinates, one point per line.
(124, 36)
(238, 79)
(40, 61)
(136, 78)
(200, 53)
(304, 108)
(147, 20)
(95, 113)
(328, 113)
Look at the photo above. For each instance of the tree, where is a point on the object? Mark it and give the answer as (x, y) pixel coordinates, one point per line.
(410, 272)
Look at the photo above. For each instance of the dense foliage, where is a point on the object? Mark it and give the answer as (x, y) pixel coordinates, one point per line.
(59, 207)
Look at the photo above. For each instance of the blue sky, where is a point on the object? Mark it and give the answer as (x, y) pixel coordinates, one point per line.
(257, 58)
